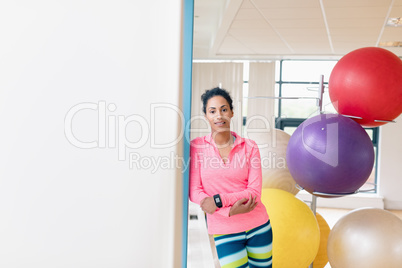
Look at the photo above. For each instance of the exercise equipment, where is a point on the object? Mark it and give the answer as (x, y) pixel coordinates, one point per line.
(367, 237)
(296, 236)
(330, 155)
(366, 84)
(322, 257)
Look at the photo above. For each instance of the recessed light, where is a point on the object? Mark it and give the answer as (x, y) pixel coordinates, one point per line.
(394, 22)
(390, 44)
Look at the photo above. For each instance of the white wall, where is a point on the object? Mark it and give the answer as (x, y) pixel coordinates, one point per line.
(65, 206)
(390, 172)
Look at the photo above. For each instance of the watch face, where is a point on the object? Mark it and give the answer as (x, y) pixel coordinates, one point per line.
(218, 201)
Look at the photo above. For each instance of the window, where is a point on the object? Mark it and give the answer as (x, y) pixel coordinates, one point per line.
(299, 78)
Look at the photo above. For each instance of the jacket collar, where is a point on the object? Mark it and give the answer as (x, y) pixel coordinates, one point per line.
(211, 141)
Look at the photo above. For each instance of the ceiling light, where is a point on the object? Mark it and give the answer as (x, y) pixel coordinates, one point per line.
(394, 22)
(390, 44)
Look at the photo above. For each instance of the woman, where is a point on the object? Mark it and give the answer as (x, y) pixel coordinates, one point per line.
(226, 181)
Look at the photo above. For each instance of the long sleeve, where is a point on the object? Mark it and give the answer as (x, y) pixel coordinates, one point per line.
(254, 181)
(224, 211)
(197, 192)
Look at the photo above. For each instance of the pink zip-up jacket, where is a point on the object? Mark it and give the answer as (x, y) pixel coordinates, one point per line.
(234, 180)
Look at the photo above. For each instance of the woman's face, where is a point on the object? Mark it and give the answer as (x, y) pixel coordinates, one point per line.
(218, 114)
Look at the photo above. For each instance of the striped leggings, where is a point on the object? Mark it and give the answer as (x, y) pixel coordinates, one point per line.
(250, 249)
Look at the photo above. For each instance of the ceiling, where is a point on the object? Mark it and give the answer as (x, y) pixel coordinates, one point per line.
(275, 29)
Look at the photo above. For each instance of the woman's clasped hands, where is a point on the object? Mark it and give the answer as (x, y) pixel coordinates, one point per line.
(241, 206)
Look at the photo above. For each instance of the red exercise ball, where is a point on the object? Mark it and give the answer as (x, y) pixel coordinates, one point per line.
(367, 83)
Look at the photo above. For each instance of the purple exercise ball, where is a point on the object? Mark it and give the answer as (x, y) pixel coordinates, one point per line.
(330, 153)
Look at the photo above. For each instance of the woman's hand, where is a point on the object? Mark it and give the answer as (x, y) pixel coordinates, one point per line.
(208, 205)
(243, 206)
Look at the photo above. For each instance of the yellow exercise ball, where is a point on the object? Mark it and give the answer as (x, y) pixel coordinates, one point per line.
(322, 258)
(368, 238)
(275, 173)
(296, 236)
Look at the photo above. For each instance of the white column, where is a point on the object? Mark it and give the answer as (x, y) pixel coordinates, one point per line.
(227, 75)
(390, 169)
(261, 111)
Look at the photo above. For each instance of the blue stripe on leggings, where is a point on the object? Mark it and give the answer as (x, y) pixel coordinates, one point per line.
(262, 249)
(225, 239)
(218, 237)
(260, 264)
(261, 230)
(260, 260)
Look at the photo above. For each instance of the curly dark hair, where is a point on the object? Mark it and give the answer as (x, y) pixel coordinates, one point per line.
(215, 92)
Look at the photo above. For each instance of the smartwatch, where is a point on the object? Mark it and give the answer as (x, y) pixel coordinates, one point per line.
(218, 201)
